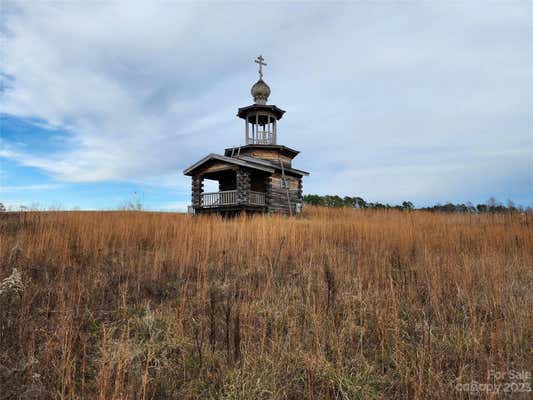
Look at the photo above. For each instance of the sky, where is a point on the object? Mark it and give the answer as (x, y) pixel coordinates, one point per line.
(102, 103)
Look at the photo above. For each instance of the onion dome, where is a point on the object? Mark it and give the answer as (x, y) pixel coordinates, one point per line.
(260, 92)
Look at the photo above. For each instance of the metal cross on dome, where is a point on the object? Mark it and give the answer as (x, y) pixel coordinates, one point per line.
(259, 61)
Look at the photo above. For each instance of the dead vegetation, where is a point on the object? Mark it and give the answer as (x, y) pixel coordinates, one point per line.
(339, 304)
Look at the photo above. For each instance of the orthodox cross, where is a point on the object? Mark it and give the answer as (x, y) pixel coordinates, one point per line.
(259, 61)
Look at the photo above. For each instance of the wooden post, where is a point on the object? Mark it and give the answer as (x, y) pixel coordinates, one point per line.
(243, 186)
(268, 131)
(256, 127)
(268, 192)
(197, 190)
(300, 193)
(253, 133)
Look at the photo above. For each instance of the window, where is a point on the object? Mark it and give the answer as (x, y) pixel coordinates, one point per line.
(284, 183)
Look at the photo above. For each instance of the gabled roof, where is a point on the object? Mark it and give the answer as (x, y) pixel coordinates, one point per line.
(229, 160)
(244, 161)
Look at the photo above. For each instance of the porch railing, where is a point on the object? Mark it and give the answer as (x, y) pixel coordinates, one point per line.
(261, 137)
(216, 199)
(257, 198)
(229, 197)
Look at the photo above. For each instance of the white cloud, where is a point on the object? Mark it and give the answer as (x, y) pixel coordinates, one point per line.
(388, 97)
(5, 188)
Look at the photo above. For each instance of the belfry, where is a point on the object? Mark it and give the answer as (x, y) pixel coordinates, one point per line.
(257, 177)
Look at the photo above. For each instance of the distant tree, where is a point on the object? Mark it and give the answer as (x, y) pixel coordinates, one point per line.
(313, 200)
(512, 207)
(462, 208)
(470, 207)
(407, 205)
(333, 201)
(492, 204)
(2, 207)
(134, 204)
(359, 202)
(481, 208)
(348, 202)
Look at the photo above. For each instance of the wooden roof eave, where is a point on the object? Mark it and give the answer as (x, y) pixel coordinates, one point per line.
(284, 149)
(296, 171)
(229, 160)
(244, 111)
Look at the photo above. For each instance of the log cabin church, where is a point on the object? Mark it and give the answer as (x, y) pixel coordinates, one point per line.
(257, 177)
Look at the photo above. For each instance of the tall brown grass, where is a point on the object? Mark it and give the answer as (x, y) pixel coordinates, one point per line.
(338, 304)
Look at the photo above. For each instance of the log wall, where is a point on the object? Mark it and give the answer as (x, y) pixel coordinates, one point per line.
(277, 200)
(197, 190)
(243, 186)
(268, 154)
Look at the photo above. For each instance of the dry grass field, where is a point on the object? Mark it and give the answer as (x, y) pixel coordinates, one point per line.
(337, 304)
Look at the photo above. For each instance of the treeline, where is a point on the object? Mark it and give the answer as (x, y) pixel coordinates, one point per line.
(492, 205)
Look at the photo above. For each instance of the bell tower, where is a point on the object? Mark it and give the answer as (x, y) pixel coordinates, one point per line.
(257, 177)
(260, 119)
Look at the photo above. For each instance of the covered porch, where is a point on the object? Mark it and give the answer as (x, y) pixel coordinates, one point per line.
(242, 186)
(239, 189)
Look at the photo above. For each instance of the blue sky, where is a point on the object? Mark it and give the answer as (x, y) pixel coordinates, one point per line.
(105, 102)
